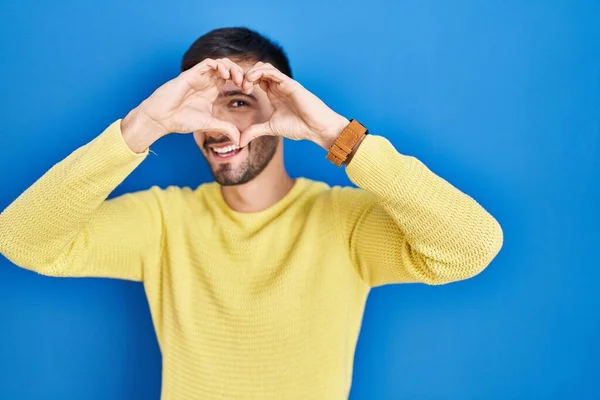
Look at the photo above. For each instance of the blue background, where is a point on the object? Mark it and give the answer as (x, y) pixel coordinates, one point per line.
(501, 98)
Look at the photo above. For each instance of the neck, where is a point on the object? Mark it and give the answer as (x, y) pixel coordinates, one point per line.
(265, 190)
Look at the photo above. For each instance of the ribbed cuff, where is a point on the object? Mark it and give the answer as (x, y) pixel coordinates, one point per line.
(115, 143)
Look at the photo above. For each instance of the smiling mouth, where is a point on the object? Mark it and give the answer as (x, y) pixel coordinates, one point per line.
(225, 152)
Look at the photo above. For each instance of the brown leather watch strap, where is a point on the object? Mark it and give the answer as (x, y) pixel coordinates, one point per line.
(344, 144)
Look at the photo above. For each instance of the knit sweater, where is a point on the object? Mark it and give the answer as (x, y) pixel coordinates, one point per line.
(264, 305)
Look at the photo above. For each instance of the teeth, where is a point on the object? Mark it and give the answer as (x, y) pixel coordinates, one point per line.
(226, 149)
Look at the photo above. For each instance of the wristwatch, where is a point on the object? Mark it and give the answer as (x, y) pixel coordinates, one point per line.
(345, 143)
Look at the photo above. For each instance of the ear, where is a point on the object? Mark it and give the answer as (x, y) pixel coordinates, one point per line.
(254, 131)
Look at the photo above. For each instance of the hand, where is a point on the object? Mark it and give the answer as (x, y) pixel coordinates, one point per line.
(298, 114)
(184, 104)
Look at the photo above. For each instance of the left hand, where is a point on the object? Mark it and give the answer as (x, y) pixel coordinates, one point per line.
(298, 114)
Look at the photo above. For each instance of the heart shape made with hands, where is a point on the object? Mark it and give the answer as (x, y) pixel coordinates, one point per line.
(297, 113)
(279, 88)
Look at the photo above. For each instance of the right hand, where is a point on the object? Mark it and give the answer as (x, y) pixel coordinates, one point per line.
(183, 104)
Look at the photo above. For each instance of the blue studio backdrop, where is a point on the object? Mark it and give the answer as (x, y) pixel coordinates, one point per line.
(501, 98)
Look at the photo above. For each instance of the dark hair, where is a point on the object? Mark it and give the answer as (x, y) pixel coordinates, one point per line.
(241, 44)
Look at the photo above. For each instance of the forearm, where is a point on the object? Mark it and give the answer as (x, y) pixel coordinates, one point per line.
(41, 223)
(445, 227)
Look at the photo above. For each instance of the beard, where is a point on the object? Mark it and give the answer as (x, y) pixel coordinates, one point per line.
(260, 152)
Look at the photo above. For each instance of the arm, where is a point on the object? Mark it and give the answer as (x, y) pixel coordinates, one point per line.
(406, 224)
(63, 225)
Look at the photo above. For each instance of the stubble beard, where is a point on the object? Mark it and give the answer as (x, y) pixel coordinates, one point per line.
(260, 153)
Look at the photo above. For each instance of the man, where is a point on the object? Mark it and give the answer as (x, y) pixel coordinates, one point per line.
(256, 282)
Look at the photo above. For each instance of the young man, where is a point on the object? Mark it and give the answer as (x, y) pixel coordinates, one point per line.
(256, 282)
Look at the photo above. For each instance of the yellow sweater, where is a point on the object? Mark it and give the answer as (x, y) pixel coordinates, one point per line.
(265, 305)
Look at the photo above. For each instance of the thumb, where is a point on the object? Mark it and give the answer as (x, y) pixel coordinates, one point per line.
(226, 128)
(254, 131)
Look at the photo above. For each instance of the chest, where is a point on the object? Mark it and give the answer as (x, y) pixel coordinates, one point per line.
(277, 274)
(284, 303)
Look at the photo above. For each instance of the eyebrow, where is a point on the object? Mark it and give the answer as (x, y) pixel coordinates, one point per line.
(237, 93)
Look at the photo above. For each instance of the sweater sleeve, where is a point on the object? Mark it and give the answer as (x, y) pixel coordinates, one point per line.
(63, 224)
(406, 224)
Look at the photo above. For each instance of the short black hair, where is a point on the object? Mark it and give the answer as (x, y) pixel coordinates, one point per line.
(239, 44)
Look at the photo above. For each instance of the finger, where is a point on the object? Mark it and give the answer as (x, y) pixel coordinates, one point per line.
(223, 70)
(255, 66)
(226, 128)
(270, 74)
(192, 79)
(237, 73)
(197, 74)
(195, 78)
(202, 67)
(264, 85)
(247, 87)
(254, 131)
(266, 71)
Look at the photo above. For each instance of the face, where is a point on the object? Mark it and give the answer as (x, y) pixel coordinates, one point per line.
(230, 165)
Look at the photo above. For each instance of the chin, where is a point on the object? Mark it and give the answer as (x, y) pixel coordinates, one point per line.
(229, 179)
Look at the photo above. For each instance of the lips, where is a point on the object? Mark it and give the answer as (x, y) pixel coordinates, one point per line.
(224, 152)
